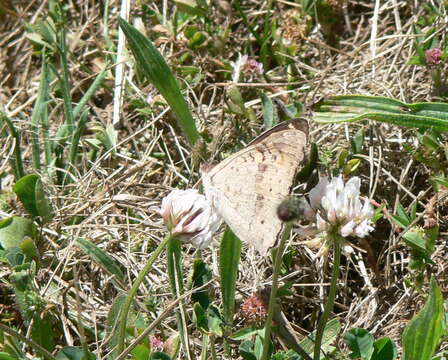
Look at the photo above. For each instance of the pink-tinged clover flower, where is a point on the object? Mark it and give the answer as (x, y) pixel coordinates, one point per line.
(156, 343)
(433, 56)
(249, 67)
(188, 215)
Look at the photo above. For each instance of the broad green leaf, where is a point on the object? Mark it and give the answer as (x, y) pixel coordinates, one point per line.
(229, 258)
(30, 191)
(350, 108)
(201, 275)
(14, 230)
(351, 166)
(74, 353)
(422, 335)
(159, 74)
(200, 318)
(141, 352)
(415, 240)
(360, 342)
(258, 348)
(246, 350)
(270, 117)
(100, 257)
(331, 332)
(357, 141)
(385, 349)
(42, 332)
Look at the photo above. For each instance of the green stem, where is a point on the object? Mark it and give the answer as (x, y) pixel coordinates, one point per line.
(337, 239)
(133, 291)
(273, 296)
(174, 264)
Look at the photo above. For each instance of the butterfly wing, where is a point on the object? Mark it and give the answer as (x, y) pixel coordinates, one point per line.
(247, 187)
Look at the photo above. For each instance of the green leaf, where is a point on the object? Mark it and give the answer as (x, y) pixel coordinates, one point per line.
(246, 332)
(200, 318)
(385, 349)
(422, 335)
(159, 74)
(101, 258)
(309, 167)
(246, 350)
(270, 117)
(414, 240)
(113, 317)
(30, 191)
(229, 258)
(360, 342)
(14, 230)
(42, 332)
(401, 219)
(5, 356)
(351, 166)
(141, 352)
(201, 275)
(331, 332)
(159, 356)
(74, 353)
(351, 108)
(357, 141)
(190, 7)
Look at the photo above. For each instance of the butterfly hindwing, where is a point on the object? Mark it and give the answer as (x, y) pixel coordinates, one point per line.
(247, 187)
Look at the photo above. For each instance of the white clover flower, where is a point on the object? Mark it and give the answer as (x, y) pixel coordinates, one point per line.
(336, 206)
(188, 215)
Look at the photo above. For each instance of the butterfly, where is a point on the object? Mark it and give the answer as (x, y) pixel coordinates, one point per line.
(247, 187)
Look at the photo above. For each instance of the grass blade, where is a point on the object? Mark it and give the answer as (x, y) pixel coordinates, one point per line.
(16, 162)
(351, 108)
(39, 112)
(159, 74)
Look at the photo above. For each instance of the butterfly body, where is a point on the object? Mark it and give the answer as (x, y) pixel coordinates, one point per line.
(247, 187)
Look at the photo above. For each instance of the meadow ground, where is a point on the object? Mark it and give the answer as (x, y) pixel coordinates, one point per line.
(130, 152)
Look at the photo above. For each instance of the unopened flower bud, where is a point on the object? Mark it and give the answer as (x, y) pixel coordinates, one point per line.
(291, 209)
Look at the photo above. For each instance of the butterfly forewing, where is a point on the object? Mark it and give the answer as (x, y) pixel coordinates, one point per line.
(247, 187)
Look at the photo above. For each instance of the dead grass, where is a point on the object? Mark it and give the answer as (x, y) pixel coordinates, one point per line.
(118, 196)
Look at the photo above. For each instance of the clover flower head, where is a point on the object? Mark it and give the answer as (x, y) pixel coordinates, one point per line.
(188, 215)
(248, 66)
(255, 309)
(433, 56)
(156, 343)
(337, 206)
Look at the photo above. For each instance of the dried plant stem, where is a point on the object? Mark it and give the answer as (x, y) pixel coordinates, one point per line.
(337, 240)
(273, 296)
(133, 291)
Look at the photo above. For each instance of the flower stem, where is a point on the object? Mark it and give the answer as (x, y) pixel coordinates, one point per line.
(337, 240)
(133, 291)
(174, 266)
(273, 296)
